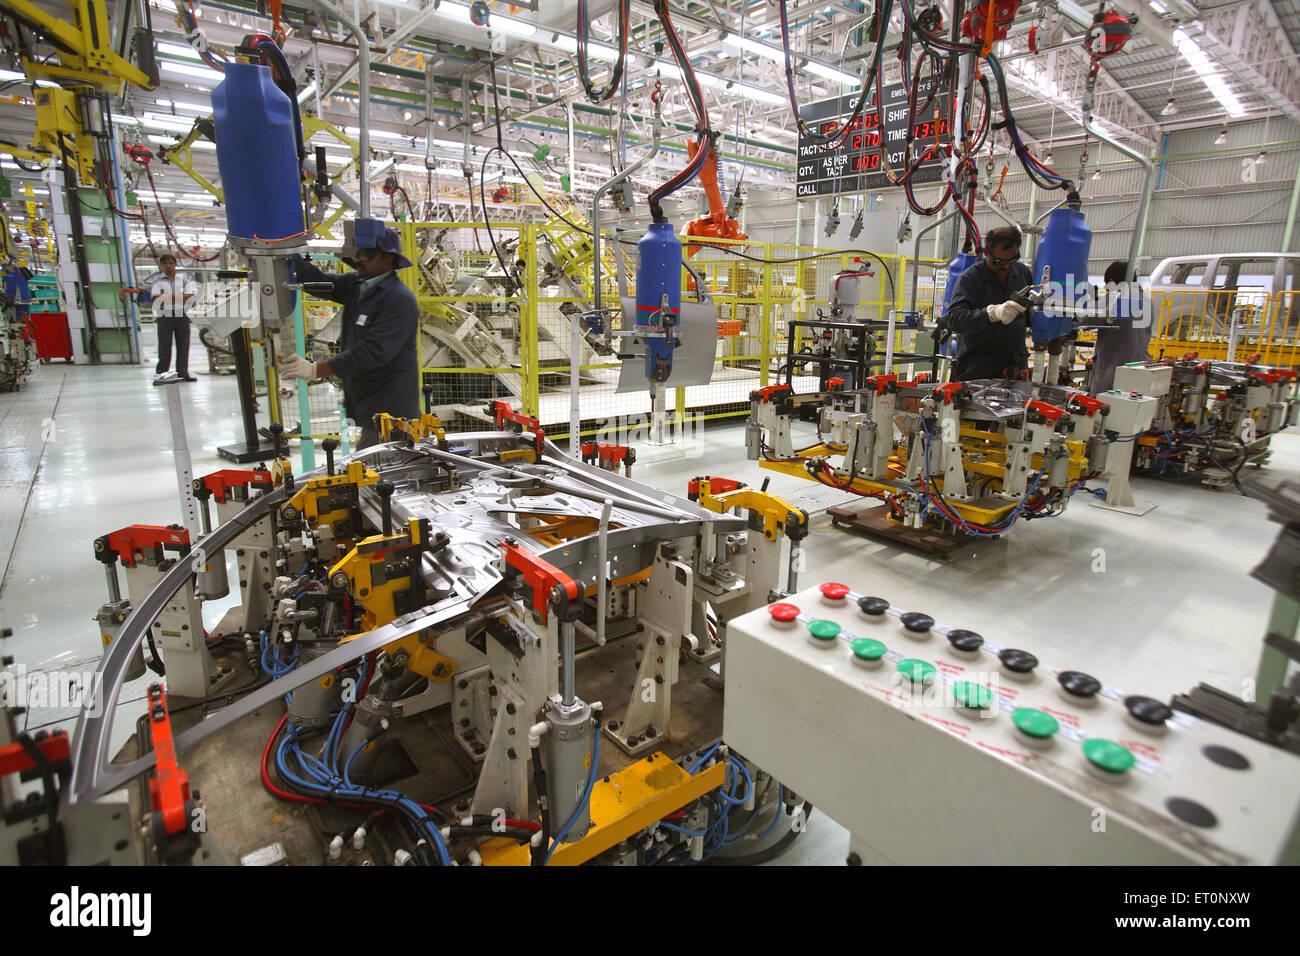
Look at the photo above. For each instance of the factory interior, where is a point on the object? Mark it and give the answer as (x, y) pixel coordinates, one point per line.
(622, 433)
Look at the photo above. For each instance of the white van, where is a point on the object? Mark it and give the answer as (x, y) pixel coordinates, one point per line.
(1194, 297)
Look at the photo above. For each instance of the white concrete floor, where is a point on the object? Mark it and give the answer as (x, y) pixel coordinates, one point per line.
(86, 451)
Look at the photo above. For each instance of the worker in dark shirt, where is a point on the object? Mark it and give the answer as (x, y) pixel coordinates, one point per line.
(1128, 337)
(377, 363)
(990, 325)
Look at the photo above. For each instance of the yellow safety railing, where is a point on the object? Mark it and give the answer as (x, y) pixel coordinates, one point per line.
(1215, 323)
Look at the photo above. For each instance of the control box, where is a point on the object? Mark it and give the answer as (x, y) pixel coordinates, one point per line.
(934, 744)
(1130, 412)
(1144, 377)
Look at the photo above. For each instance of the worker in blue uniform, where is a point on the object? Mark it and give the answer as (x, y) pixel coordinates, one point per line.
(377, 361)
(989, 323)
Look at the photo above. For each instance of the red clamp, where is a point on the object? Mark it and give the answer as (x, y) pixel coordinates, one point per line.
(717, 486)
(169, 790)
(1269, 378)
(603, 452)
(1049, 413)
(834, 384)
(766, 393)
(504, 413)
(1086, 404)
(542, 578)
(1287, 374)
(1189, 357)
(948, 392)
(13, 759)
(881, 383)
(921, 378)
(148, 538)
(222, 483)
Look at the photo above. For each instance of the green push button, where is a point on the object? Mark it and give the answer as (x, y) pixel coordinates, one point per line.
(865, 649)
(973, 696)
(918, 672)
(1108, 755)
(824, 630)
(1034, 723)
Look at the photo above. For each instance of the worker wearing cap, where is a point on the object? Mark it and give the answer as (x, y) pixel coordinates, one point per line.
(377, 363)
(989, 323)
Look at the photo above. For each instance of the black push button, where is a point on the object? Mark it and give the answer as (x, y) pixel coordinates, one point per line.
(1078, 684)
(873, 605)
(1018, 662)
(1148, 710)
(1189, 811)
(917, 622)
(1226, 757)
(965, 640)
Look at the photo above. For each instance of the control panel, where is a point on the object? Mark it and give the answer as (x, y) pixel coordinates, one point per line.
(932, 743)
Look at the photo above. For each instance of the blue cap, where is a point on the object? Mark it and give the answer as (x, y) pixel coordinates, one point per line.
(373, 234)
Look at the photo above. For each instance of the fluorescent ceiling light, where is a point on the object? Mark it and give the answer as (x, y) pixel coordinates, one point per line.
(514, 28)
(566, 43)
(163, 121)
(1193, 54)
(454, 11)
(202, 144)
(410, 168)
(377, 134)
(753, 46)
(830, 73)
(192, 73)
(176, 49)
(307, 92)
(739, 89)
(11, 75)
(193, 202)
(122, 120)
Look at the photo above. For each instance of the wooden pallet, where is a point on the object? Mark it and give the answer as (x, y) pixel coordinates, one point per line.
(875, 522)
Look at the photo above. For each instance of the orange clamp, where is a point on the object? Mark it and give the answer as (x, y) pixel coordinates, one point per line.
(947, 392)
(146, 537)
(766, 393)
(1049, 412)
(504, 413)
(222, 482)
(169, 790)
(1087, 404)
(539, 575)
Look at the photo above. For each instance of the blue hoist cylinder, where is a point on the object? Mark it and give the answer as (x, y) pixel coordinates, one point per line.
(257, 154)
(1062, 261)
(659, 277)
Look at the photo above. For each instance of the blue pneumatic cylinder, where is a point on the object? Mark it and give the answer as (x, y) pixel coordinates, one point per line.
(257, 154)
(659, 274)
(1062, 261)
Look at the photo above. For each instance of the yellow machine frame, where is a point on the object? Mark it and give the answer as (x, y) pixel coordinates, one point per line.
(85, 46)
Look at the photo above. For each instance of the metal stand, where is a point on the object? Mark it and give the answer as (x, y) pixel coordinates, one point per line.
(1119, 490)
(182, 459)
(253, 447)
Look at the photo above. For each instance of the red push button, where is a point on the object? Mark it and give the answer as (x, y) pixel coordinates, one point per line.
(783, 613)
(834, 592)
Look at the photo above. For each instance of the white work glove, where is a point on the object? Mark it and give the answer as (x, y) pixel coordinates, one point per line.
(1006, 313)
(295, 366)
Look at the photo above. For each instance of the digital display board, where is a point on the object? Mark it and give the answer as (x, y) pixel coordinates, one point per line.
(854, 165)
